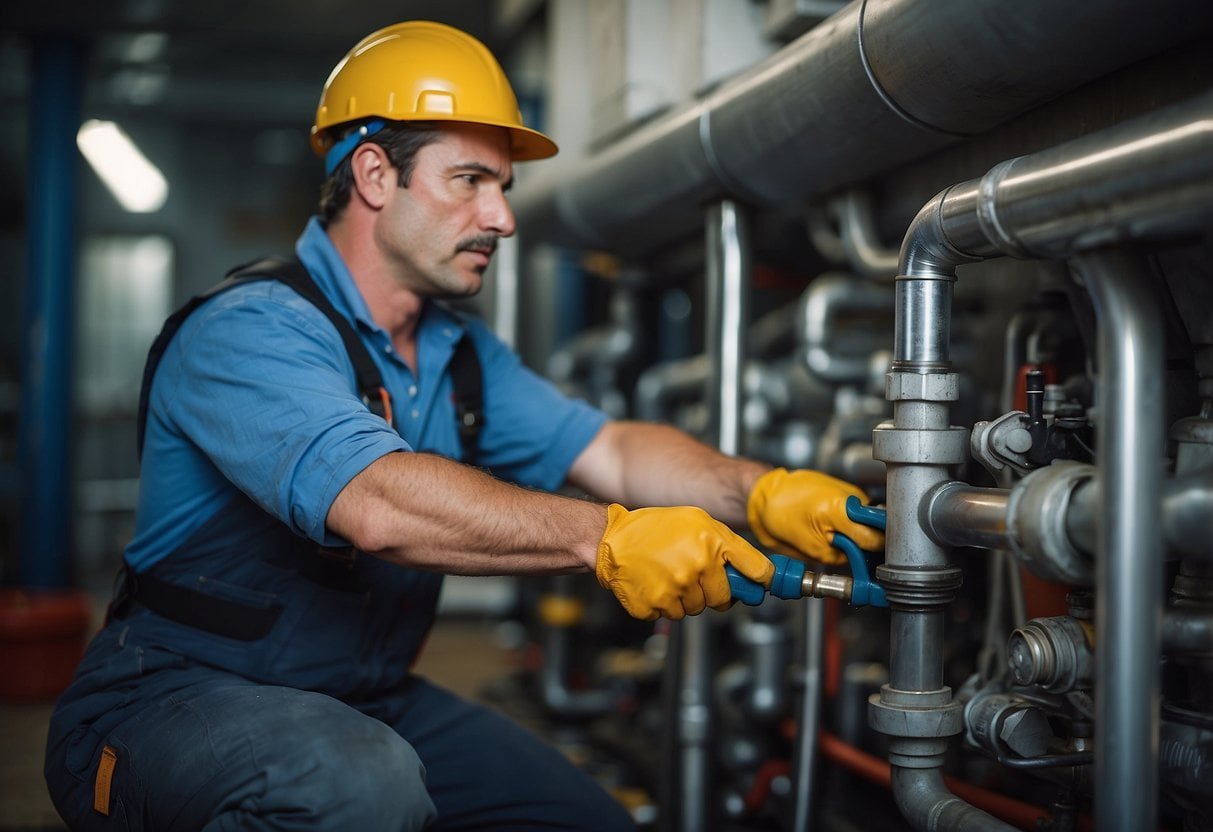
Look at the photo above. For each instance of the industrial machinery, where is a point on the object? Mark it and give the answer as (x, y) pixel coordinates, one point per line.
(990, 231)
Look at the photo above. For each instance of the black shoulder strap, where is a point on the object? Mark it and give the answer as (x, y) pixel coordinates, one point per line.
(467, 389)
(465, 366)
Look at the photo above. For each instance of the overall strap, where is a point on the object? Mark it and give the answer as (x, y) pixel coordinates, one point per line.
(366, 373)
(465, 364)
(468, 392)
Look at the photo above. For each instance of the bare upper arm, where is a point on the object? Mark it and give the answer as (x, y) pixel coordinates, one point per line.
(598, 469)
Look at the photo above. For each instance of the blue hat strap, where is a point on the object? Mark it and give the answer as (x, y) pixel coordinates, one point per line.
(347, 143)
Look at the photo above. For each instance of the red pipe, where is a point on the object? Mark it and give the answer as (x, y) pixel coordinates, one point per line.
(1023, 815)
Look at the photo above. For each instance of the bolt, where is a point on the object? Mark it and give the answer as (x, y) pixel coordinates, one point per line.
(1027, 732)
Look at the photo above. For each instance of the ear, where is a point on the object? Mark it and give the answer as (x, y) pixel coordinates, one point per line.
(374, 176)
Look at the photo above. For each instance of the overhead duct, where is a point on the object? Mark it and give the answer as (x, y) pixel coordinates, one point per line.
(880, 83)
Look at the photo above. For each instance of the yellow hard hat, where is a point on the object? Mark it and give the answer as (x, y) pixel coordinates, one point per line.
(420, 71)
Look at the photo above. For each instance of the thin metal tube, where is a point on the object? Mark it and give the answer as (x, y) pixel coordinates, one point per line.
(506, 289)
(1129, 578)
(809, 724)
(728, 281)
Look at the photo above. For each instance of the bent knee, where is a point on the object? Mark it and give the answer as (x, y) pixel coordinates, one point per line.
(365, 776)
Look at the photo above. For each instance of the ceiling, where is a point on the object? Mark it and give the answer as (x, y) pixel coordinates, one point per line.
(239, 60)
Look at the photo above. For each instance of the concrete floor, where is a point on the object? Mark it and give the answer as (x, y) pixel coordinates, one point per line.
(463, 654)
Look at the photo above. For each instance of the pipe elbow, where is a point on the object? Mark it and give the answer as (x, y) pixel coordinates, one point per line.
(927, 250)
(924, 800)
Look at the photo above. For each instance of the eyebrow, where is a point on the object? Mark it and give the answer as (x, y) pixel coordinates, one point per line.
(487, 171)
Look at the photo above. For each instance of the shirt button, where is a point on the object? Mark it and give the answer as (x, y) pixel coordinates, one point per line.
(415, 413)
(447, 331)
(387, 348)
(412, 389)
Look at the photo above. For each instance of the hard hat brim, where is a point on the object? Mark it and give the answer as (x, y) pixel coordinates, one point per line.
(526, 144)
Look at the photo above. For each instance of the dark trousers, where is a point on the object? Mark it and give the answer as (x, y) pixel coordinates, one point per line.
(195, 748)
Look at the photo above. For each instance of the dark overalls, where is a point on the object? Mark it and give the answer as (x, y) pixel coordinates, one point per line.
(283, 699)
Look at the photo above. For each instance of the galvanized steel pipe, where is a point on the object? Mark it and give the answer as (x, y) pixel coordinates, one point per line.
(1146, 179)
(874, 86)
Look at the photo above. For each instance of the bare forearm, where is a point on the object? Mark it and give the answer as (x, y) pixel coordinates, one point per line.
(428, 512)
(644, 464)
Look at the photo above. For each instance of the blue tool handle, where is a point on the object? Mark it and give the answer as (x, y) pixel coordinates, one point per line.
(750, 593)
(785, 583)
(873, 516)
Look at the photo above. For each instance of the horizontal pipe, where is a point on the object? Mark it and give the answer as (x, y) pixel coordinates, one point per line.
(1187, 506)
(1187, 630)
(871, 88)
(956, 514)
(1023, 815)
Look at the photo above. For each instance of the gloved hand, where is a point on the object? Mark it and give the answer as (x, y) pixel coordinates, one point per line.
(670, 561)
(796, 513)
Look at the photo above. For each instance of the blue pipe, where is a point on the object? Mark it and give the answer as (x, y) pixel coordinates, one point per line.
(48, 336)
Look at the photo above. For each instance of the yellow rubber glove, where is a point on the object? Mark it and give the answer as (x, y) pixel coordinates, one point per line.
(670, 561)
(797, 512)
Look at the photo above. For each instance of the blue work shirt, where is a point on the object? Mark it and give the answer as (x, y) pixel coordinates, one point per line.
(256, 393)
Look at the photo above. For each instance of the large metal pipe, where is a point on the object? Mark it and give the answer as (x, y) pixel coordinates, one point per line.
(874, 86)
(1146, 179)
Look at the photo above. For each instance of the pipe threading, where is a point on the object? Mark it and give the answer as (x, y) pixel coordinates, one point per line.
(915, 589)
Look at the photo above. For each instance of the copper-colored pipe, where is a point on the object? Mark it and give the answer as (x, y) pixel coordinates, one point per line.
(1023, 815)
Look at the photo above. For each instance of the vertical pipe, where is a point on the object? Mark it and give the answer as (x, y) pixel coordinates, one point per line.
(506, 289)
(728, 278)
(810, 714)
(48, 327)
(1128, 564)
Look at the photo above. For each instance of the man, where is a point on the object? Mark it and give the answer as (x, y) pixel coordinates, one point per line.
(254, 673)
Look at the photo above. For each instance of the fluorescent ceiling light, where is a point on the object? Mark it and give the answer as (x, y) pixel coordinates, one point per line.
(135, 182)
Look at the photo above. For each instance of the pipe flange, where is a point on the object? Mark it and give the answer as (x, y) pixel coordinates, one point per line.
(922, 387)
(912, 588)
(931, 723)
(1036, 523)
(948, 446)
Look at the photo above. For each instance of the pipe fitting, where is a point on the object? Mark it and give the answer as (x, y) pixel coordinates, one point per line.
(1037, 514)
(1054, 653)
(914, 589)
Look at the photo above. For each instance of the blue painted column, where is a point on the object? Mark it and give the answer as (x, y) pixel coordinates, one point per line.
(45, 426)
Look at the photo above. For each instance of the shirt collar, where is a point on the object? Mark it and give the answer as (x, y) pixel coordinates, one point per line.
(324, 263)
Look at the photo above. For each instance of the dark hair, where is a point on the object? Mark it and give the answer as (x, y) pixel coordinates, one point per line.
(401, 139)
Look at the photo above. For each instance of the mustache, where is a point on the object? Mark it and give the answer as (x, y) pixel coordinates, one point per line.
(481, 242)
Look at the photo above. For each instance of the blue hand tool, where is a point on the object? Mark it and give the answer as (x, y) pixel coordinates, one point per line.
(789, 573)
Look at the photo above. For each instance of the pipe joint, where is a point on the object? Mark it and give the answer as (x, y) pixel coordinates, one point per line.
(914, 589)
(922, 387)
(1037, 514)
(926, 251)
(930, 715)
(948, 446)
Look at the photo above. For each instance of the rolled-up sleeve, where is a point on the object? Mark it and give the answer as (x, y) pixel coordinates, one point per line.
(264, 388)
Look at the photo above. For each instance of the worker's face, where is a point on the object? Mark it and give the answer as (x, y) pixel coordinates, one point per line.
(442, 230)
